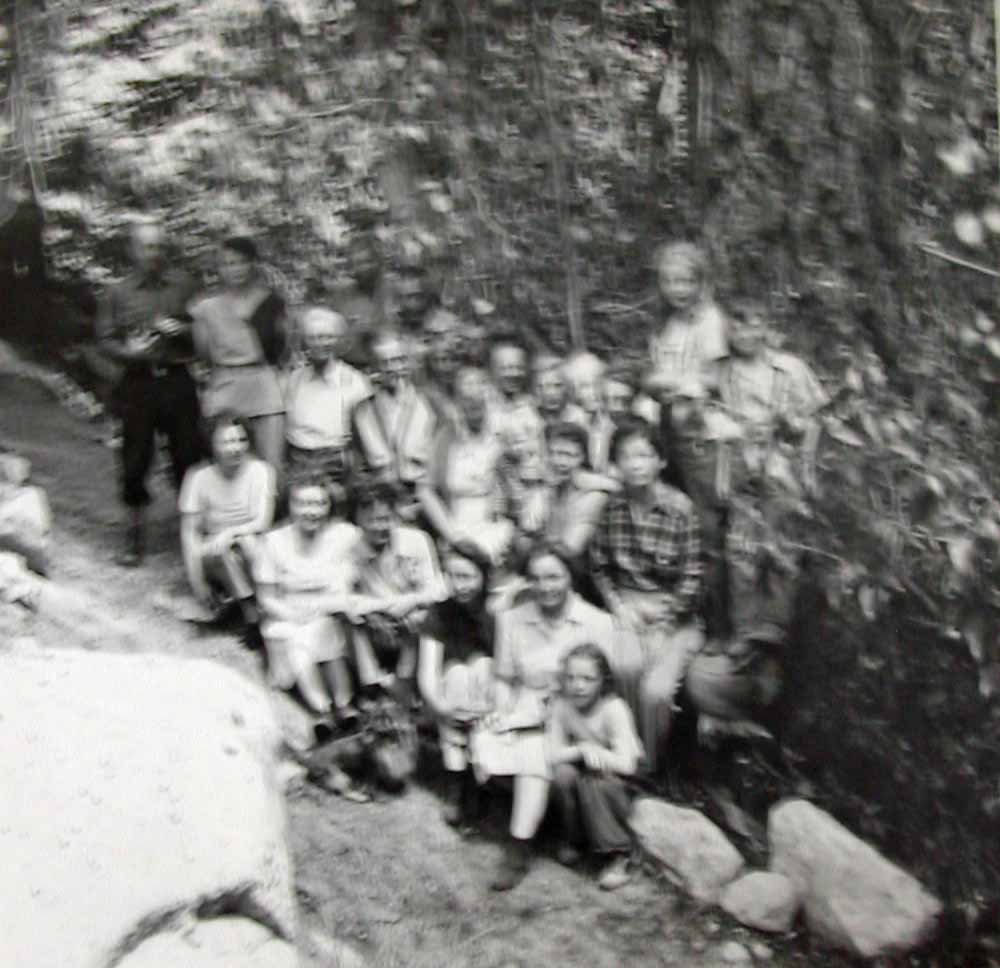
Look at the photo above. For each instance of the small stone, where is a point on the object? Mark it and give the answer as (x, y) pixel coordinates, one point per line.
(733, 953)
(694, 853)
(762, 900)
(761, 951)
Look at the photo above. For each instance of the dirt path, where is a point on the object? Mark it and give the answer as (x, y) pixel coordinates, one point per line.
(389, 878)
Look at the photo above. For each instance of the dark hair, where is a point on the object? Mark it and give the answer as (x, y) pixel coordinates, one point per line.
(481, 561)
(588, 650)
(543, 549)
(369, 490)
(623, 373)
(335, 491)
(227, 418)
(242, 245)
(567, 430)
(509, 338)
(746, 308)
(634, 426)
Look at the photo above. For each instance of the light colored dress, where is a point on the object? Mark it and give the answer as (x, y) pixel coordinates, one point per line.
(529, 652)
(241, 380)
(302, 575)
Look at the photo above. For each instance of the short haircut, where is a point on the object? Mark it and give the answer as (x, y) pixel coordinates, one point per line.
(546, 549)
(227, 418)
(593, 652)
(633, 426)
(481, 561)
(544, 362)
(507, 338)
(746, 307)
(315, 314)
(682, 251)
(242, 245)
(623, 373)
(381, 336)
(567, 430)
(369, 490)
(584, 365)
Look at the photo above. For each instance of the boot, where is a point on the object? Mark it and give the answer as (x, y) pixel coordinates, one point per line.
(131, 553)
(513, 865)
(453, 813)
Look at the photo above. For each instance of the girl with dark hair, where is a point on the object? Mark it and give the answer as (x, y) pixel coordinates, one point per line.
(455, 673)
(239, 331)
(592, 746)
(225, 505)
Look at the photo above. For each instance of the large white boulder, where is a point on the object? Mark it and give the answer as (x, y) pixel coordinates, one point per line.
(138, 798)
(695, 854)
(762, 900)
(853, 897)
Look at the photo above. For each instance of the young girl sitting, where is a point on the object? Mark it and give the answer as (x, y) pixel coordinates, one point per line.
(592, 746)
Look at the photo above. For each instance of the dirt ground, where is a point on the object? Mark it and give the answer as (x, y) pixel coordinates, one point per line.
(389, 878)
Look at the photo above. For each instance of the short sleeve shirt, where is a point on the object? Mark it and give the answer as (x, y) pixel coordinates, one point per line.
(302, 572)
(320, 406)
(779, 384)
(227, 503)
(406, 565)
(530, 648)
(687, 343)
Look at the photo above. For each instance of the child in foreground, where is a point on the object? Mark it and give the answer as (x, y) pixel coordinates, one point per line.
(592, 747)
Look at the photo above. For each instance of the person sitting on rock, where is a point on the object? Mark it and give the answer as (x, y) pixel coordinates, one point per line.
(592, 747)
(733, 680)
(225, 506)
(531, 640)
(455, 675)
(25, 516)
(646, 563)
(305, 578)
(398, 580)
(328, 407)
(773, 395)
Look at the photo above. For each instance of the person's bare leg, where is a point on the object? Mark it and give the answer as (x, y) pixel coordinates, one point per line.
(269, 439)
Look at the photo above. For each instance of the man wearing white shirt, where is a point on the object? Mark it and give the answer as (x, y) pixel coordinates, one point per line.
(328, 406)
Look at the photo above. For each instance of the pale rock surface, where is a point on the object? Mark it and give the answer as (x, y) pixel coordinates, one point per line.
(217, 943)
(694, 853)
(138, 794)
(762, 900)
(733, 953)
(853, 897)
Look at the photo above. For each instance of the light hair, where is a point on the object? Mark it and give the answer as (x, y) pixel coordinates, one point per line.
(685, 253)
(316, 316)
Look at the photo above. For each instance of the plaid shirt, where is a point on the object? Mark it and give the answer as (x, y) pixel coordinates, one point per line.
(657, 552)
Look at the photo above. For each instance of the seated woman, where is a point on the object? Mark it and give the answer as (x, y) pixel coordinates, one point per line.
(239, 332)
(455, 674)
(531, 641)
(463, 494)
(305, 575)
(398, 579)
(225, 506)
(646, 563)
(592, 746)
(566, 510)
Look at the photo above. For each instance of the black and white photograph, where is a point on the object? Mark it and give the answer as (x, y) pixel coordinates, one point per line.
(499, 484)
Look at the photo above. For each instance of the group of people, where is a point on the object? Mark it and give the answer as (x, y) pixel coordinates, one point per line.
(544, 552)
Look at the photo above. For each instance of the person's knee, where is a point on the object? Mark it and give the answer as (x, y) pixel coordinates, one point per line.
(565, 776)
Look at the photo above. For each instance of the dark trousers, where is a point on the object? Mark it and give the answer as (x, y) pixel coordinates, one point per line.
(595, 808)
(163, 399)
